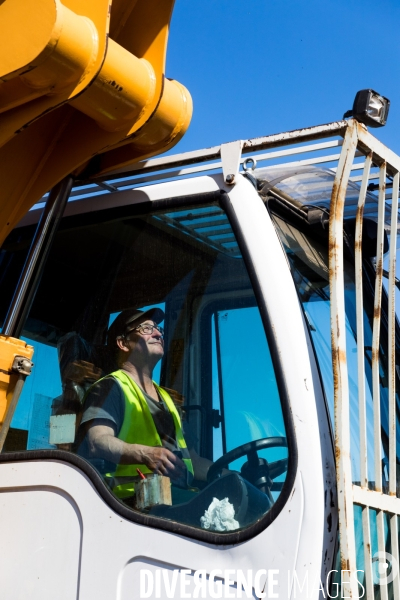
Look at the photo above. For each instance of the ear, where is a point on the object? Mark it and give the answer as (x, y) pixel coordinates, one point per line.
(121, 343)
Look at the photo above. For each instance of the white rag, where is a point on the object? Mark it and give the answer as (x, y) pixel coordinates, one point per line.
(219, 516)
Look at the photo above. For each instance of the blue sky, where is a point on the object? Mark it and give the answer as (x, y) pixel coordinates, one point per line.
(265, 66)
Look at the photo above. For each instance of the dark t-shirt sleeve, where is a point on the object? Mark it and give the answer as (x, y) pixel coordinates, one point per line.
(105, 402)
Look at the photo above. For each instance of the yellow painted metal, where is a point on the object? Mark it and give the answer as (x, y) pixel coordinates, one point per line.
(162, 131)
(122, 91)
(57, 52)
(44, 52)
(9, 349)
(26, 30)
(73, 98)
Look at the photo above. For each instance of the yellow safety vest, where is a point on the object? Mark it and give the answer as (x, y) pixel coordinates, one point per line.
(138, 427)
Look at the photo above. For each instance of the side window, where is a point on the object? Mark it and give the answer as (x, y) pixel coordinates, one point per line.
(152, 364)
(246, 394)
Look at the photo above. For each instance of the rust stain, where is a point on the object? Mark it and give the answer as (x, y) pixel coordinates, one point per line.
(337, 453)
(345, 564)
(379, 268)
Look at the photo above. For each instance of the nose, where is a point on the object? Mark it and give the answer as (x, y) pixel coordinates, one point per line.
(157, 334)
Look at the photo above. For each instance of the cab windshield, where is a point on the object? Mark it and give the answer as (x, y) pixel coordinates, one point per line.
(205, 444)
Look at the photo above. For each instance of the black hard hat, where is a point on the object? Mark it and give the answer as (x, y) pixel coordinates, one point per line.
(128, 318)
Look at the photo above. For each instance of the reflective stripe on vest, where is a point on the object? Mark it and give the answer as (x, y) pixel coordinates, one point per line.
(138, 427)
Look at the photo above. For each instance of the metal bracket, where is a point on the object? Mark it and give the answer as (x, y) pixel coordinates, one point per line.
(231, 154)
(216, 418)
(248, 167)
(22, 365)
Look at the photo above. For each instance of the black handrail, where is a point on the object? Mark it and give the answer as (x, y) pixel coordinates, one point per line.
(29, 280)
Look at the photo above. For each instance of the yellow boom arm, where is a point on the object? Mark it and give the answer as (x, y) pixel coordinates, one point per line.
(80, 79)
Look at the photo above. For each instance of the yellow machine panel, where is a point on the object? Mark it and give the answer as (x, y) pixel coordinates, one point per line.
(79, 79)
(9, 349)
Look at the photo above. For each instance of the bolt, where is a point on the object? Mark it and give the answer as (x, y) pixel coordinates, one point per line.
(230, 178)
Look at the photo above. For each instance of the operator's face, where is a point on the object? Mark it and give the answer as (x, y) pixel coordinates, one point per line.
(144, 347)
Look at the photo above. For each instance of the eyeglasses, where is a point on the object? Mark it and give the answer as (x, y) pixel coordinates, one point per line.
(147, 329)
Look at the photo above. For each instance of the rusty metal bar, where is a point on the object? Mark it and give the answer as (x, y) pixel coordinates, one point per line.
(381, 152)
(360, 324)
(394, 536)
(369, 582)
(339, 361)
(197, 157)
(276, 140)
(376, 395)
(392, 336)
(380, 524)
(376, 500)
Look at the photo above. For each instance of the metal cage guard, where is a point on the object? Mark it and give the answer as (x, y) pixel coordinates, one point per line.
(357, 138)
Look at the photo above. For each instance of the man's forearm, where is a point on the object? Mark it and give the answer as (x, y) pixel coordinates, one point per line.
(104, 444)
(115, 450)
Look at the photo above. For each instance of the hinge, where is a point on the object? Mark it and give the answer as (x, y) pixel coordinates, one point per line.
(231, 154)
(22, 365)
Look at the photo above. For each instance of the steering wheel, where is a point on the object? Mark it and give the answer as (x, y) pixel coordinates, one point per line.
(256, 470)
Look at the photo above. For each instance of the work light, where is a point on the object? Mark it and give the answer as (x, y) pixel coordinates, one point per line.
(370, 108)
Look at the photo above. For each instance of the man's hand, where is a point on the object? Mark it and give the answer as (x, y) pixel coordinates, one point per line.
(162, 461)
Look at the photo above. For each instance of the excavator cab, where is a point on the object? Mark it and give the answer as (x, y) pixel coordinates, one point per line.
(280, 354)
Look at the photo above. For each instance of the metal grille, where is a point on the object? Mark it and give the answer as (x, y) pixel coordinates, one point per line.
(298, 145)
(379, 503)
